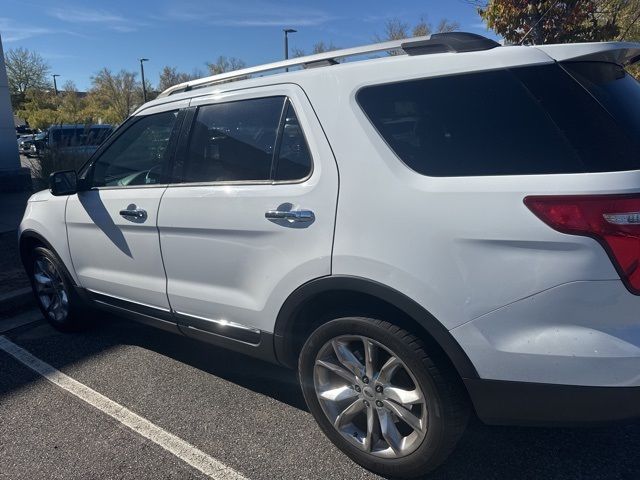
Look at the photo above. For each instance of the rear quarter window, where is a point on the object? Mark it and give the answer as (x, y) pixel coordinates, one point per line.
(532, 120)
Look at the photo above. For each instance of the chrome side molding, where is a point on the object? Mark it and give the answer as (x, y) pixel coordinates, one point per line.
(220, 327)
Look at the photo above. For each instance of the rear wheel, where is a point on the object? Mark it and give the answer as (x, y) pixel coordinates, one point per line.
(379, 396)
(54, 293)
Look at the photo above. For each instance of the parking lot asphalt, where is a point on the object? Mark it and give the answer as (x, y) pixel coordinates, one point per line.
(247, 414)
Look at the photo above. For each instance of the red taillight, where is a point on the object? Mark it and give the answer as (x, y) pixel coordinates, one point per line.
(613, 220)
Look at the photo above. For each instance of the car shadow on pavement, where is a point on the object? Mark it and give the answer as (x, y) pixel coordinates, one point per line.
(484, 452)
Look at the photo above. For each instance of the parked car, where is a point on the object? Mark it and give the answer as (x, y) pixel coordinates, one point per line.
(24, 130)
(450, 230)
(80, 140)
(28, 144)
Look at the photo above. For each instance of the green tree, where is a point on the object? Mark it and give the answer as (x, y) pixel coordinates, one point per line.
(629, 23)
(113, 96)
(551, 21)
(72, 106)
(26, 70)
(40, 108)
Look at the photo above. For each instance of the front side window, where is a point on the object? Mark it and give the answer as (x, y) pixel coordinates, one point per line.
(138, 156)
(234, 141)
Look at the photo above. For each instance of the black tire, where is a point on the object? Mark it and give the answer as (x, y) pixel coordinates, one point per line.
(73, 319)
(446, 401)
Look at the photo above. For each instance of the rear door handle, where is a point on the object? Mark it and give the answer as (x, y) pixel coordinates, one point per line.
(134, 214)
(302, 216)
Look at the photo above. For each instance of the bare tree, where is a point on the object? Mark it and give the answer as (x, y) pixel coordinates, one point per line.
(445, 26)
(396, 29)
(225, 64)
(321, 47)
(422, 28)
(297, 52)
(169, 76)
(318, 47)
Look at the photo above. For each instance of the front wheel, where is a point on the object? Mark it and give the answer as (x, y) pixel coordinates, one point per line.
(379, 396)
(54, 293)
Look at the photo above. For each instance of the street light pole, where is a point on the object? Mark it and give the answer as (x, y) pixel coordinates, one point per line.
(287, 31)
(55, 84)
(144, 86)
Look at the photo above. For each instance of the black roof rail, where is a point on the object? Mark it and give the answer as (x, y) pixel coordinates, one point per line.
(449, 42)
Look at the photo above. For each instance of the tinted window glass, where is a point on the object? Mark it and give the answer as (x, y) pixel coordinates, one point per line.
(138, 155)
(66, 137)
(294, 160)
(95, 136)
(79, 136)
(234, 141)
(529, 120)
(614, 88)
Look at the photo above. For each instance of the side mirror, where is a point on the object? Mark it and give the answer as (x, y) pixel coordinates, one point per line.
(63, 183)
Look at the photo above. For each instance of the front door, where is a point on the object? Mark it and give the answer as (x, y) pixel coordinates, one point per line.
(113, 236)
(253, 217)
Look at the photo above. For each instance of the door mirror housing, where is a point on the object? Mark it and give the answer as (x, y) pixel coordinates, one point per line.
(64, 182)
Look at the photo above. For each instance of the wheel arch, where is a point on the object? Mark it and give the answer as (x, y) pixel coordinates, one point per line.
(29, 239)
(317, 300)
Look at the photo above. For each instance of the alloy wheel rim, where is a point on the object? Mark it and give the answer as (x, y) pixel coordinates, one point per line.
(50, 289)
(370, 396)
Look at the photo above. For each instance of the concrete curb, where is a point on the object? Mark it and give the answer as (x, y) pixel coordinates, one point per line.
(17, 299)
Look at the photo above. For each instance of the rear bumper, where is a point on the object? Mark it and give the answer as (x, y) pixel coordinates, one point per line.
(537, 404)
(580, 333)
(567, 355)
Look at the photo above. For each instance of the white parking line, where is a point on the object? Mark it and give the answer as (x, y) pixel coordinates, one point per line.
(181, 449)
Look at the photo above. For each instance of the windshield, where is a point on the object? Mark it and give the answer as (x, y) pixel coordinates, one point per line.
(616, 90)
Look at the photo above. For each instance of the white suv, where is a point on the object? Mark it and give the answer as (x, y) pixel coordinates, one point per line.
(449, 229)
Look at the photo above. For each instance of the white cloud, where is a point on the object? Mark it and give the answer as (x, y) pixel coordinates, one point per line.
(246, 13)
(14, 31)
(103, 18)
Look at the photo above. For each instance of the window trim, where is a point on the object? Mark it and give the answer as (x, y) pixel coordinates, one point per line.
(117, 133)
(185, 140)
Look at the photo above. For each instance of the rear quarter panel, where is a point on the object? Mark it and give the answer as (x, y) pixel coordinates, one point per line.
(461, 247)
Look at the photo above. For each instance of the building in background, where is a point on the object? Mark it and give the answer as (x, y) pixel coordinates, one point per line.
(12, 176)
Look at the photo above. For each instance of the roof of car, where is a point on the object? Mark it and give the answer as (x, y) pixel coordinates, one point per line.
(438, 47)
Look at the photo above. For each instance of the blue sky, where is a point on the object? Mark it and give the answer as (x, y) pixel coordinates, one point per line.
(78, 38)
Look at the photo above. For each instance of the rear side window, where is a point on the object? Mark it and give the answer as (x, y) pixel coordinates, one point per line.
(531, 120)
(614, 88)
(294, 159)
(234, 141)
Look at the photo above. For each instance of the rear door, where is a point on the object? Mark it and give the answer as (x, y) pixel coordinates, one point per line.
(253, 215)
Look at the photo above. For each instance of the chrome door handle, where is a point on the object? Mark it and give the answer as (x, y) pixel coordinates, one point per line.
(290, 215)
(135, 214)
